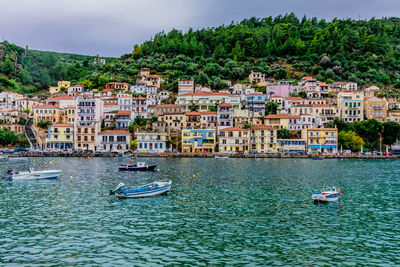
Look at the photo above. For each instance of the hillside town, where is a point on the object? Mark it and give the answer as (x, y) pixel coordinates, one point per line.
(264, 115)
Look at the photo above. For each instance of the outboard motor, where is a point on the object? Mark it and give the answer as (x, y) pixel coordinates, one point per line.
(117, 188)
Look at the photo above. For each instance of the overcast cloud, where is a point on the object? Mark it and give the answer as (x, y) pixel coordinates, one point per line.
(112, 27)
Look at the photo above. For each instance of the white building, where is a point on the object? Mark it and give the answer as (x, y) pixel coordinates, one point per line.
(185, 86)
(151, 142)
(114, 140)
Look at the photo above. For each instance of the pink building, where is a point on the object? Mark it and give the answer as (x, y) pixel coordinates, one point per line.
(278, 90)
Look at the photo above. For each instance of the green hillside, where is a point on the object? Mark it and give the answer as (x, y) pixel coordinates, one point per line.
(365, 51)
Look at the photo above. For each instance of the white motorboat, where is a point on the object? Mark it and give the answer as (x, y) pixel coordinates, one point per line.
(3, 158)
(328, 195)
(221, 157)
(149, 190)
(32, 175)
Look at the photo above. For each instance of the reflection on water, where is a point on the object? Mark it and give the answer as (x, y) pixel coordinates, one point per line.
(232, 211)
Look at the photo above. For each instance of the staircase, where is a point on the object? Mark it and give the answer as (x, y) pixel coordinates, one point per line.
(30, 134)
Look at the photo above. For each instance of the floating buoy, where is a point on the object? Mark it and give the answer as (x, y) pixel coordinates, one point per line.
(70, 177)
(88, 157)
(194, 175)
(198, 173)
(51, 162)
(41, 167)
(130, 161)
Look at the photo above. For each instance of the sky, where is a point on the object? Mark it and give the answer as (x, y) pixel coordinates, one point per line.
(112, 27)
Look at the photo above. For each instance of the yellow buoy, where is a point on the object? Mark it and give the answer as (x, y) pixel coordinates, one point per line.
(198, 173)
(194, 175)
(70, 177)
(51, 162)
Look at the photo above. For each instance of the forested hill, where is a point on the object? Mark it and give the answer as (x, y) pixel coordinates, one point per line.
(366, 51)
(29, 71)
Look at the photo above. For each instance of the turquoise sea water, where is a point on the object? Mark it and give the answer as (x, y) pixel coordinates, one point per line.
(235, 212)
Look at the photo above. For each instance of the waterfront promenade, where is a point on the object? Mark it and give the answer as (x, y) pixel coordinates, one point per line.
(207, 155)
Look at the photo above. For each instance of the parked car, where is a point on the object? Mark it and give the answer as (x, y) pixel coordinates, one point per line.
(254, 152)
(78, 151)
(387, 154)
(7, 151)
(89, 151)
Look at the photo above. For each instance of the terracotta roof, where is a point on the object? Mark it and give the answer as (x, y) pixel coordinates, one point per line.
(308, 78)
(256, 93)
(205, 94)
(232, 129)
(124, 113)
(139, 98)
(225, 105)
(276, 96)
(209, 113)
(167, 106)
(61, 97)
(110, 104)
(323, 84)
(115, 132)
(126, 96)
(323, 105)
(193, 113)
(47, 106)
(6, 110)
(262, 127)
(61, 125)
(281, 116)
(294, 98)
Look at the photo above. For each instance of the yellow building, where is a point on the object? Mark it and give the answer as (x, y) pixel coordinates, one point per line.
(60, 84)
(263, 138)
(60, 137)
(198, 140)
(394, 115)
(322, 140)
(233, 139)
(282, 121)
(47, 113)
(351, 105)
(376, 108)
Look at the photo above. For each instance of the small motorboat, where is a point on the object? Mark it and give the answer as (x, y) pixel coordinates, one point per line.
(149, 190)
(138, 166)
(17, 159)
(3, 158)
(221, 157)
(317, 158)
(328, 195)
(13, 175)
(125, 154)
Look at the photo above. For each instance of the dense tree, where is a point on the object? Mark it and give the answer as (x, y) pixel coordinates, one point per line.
(391, 132)
(350, 140)
(284, 133)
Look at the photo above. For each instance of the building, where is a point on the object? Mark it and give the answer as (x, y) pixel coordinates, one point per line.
(193, 120)
(346, 86)
(320, 140)
(89, 112)
(60, 137)
(76, 90)
(198, 140)
(376, 108)
(263, 138)
(124, 87)
(204, 101)
(394, 115)
(225, 116)
(351, 105)
(291, 145)
(47, 113)
(257, 78)
(157, 110)
(283, 121)
(139, 107)
(125, 102)
(114, 140)
(169, 122)
(255, 103)
(233, 139)
(152, 142)
(13, 120)
(185, 86)
(61, 101)
(277, 90)
(122, 119)
(324, 113)
(209, 120)
(60, 84)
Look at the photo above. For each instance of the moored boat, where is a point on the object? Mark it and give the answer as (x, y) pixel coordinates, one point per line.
(3, 158)
(328, 195)
(153, 189)
(17, 159)
(221, 157)
(138, 166)
(32, 175)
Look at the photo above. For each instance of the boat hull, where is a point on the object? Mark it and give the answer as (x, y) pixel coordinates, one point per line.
(318, 197)
(142, 169)
(26, 176)
(151, 192)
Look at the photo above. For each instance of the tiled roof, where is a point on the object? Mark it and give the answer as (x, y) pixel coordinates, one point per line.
(115, 132)
(323, 105)
(61, 125)
(61, 97)
(232, 129)
(262, 127)
(167, 106)
(281, 116)
(209, 113)
(193, 113)
(294, 98)
(139, 98)
(124, 113)
(225, 105)
(205, 94)
(47, 106)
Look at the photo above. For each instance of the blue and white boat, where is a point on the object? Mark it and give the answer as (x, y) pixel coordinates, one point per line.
(148, 190)
(328, 195)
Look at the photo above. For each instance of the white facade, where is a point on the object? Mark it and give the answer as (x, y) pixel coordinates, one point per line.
(151, 142)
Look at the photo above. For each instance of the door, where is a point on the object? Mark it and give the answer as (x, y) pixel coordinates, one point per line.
(151, 146)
